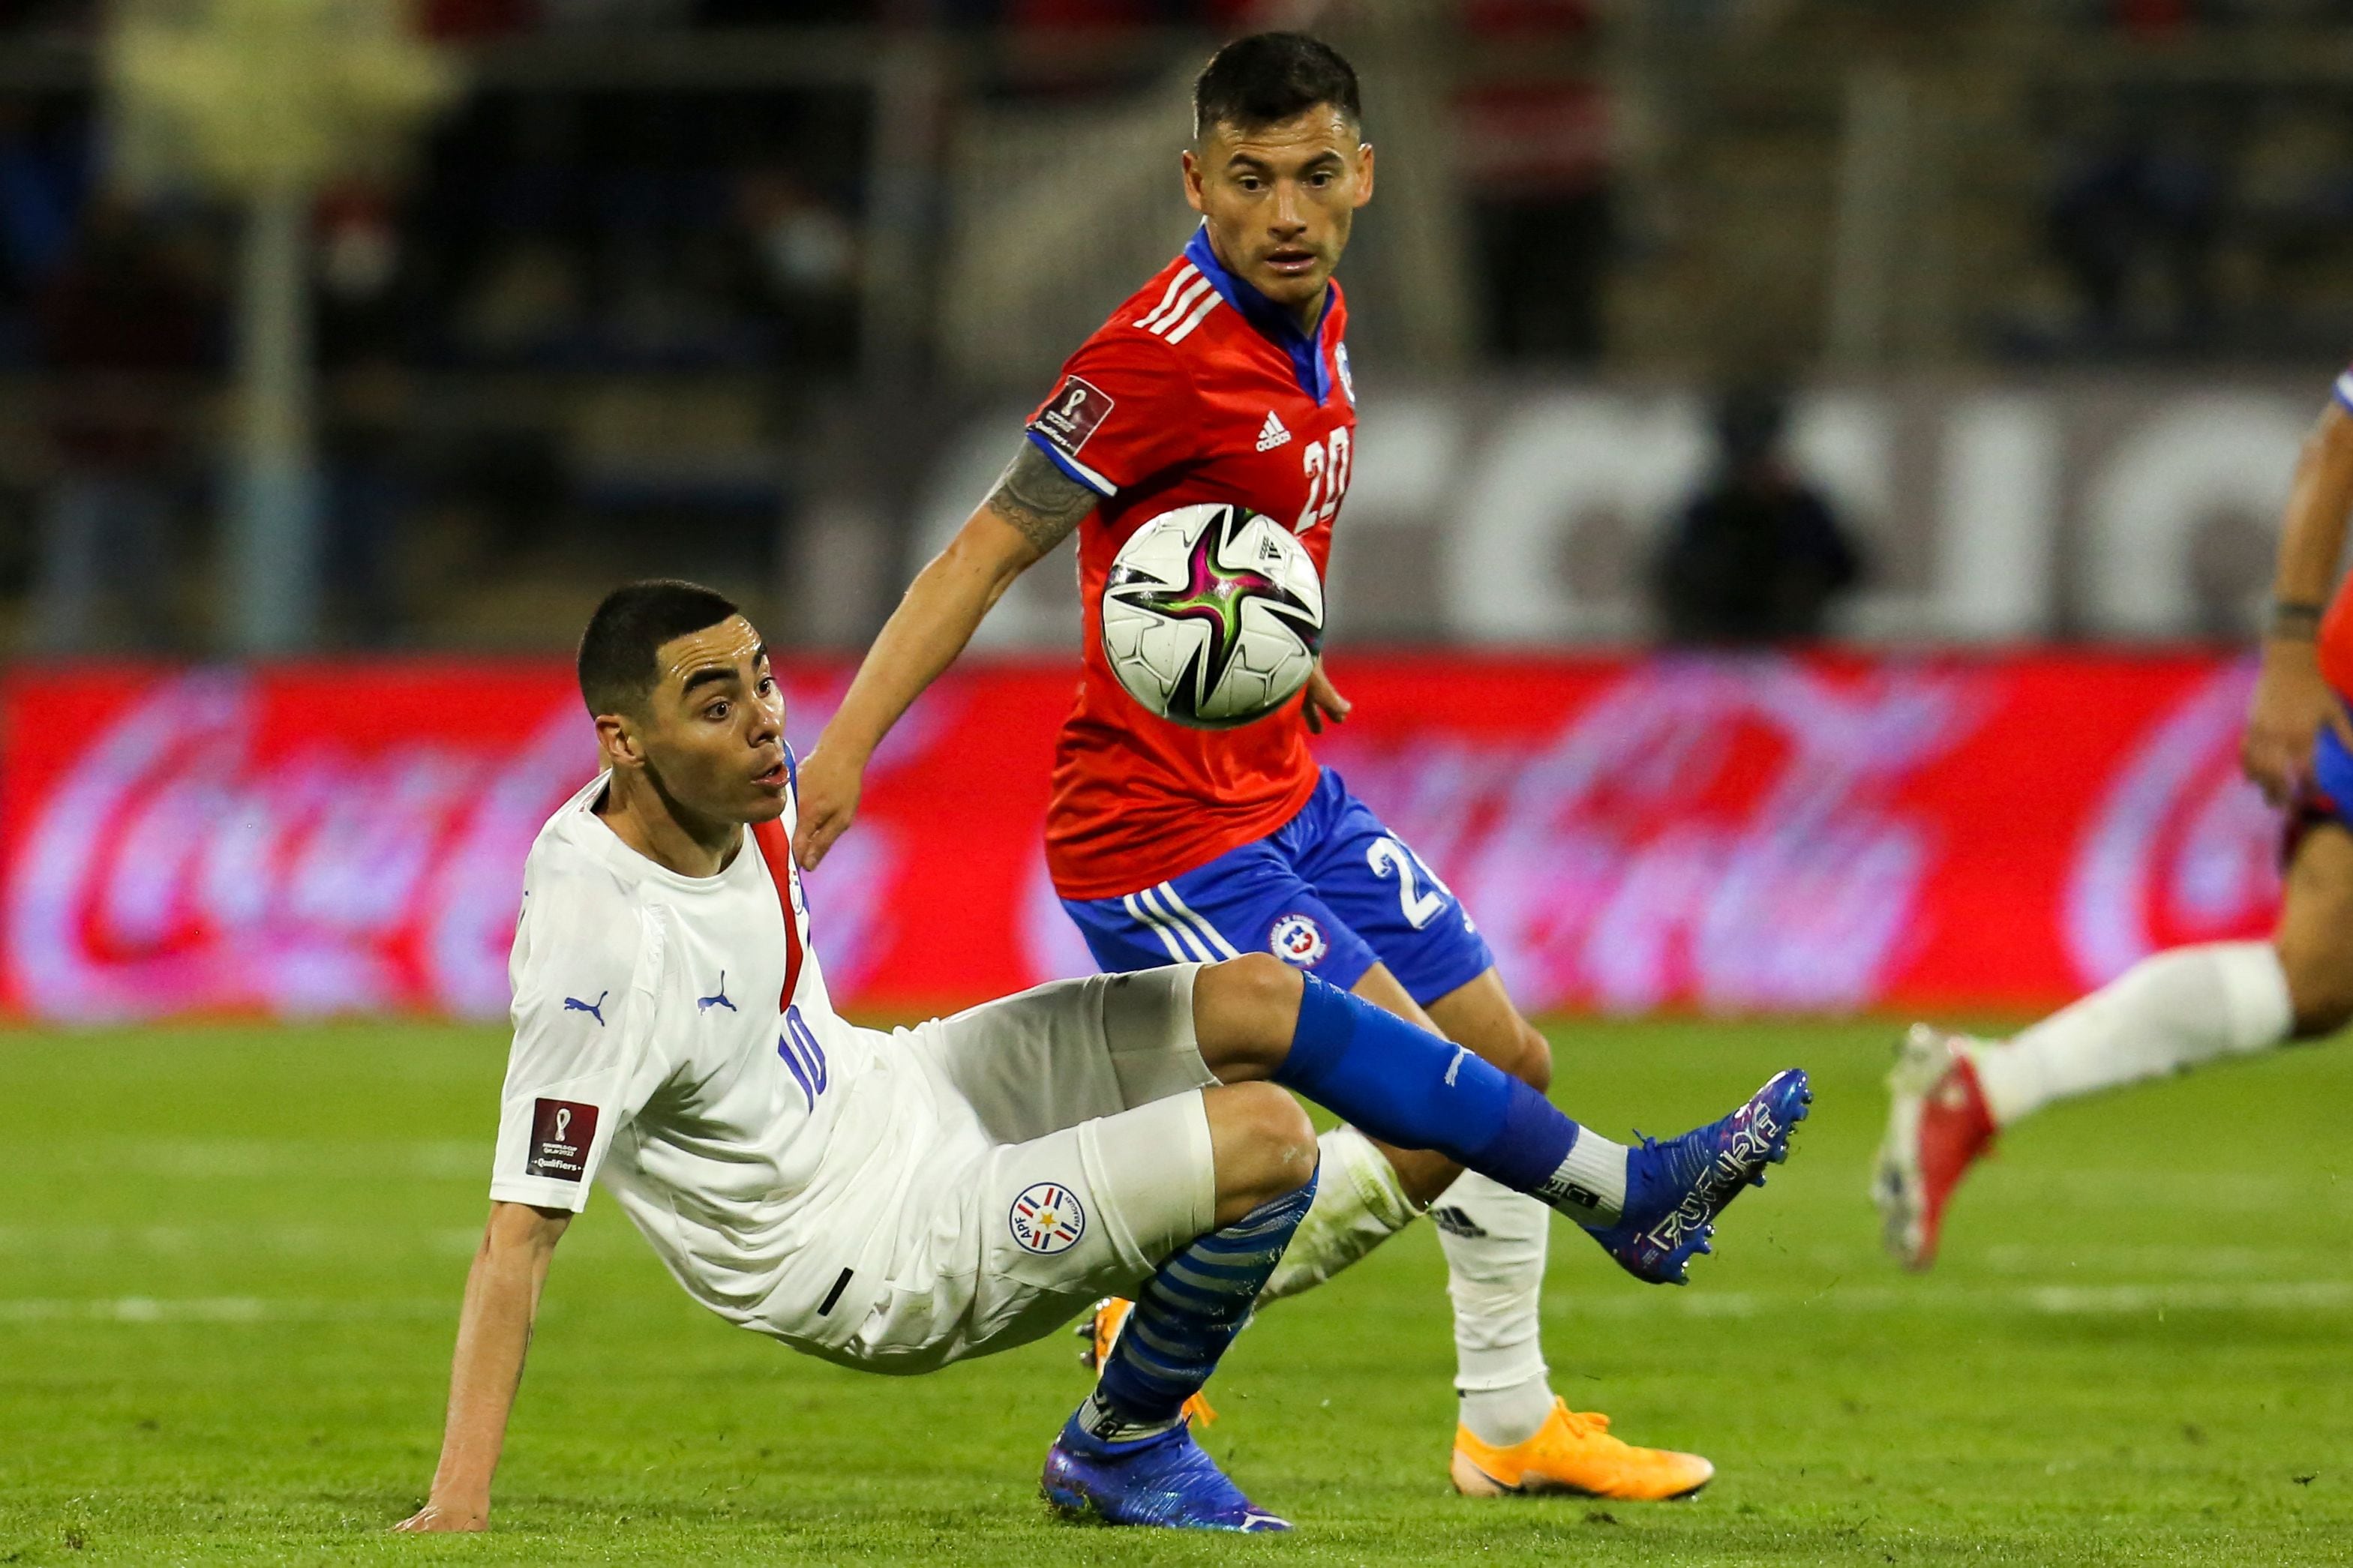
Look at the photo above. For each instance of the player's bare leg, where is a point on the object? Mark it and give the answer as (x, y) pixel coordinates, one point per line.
(1949, 1095)
(1262, 1144)
(2314, 939)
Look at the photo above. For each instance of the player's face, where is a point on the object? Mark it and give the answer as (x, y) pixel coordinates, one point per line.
(1280, 200)
(713, 738)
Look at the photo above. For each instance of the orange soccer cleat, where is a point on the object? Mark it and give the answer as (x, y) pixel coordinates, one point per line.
(1101, 1330)
(1573, 1452)
(1939, 1125)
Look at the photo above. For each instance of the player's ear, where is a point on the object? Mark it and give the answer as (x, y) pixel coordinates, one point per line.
(618, 740)
(1364, 173)
(1192, 181)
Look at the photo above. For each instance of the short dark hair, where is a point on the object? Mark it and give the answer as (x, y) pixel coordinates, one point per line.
(617, 671)
(1269, 78)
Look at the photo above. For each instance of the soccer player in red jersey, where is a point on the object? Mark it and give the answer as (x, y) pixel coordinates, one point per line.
(1226, 379)
(1949, 1094)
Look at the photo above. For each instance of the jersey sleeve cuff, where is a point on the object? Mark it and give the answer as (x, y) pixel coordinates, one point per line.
(1078, 470)
(541, 1192)
(2344, 392)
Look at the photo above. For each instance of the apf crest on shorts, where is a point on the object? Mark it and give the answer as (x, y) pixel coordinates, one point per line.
(1298, 940)
(1047, 1218)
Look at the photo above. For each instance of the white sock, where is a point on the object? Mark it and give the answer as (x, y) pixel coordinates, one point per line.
(1591, 1181)
(1494, 1242)
(1502, 1416)
(2164, 1015)
(1359, 1203)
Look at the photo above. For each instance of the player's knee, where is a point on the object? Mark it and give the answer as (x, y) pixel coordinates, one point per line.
(1532, 1059)
(1280, 1126)
(1245, 1010)
(2320, 994)
(1265, 1146)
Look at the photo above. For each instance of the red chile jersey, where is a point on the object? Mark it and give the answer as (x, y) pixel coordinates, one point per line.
(2337, 627)
(1198, 389)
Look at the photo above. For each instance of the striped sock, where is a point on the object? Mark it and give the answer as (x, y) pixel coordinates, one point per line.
(1185, 1317)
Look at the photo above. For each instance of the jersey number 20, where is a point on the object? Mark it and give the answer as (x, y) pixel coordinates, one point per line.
(1327, 463)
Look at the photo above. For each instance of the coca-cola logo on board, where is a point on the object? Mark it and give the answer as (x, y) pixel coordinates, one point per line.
(1724, 834)
(172, 869)
(179, 864)
(2181, 847)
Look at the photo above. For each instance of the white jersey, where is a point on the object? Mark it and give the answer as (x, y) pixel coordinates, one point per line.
(655, 1047)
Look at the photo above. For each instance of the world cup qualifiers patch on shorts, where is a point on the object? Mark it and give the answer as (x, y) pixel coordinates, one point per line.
(562, 1132)
(1047, 1218)
(1298, 940)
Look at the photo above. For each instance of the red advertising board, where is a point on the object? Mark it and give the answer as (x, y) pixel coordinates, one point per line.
(1765, 835)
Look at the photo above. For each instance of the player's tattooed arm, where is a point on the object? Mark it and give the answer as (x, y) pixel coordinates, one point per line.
(1042, 504)
(1033, 509)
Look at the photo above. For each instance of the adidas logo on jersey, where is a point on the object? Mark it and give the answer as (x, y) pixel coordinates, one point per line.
(1271, 434)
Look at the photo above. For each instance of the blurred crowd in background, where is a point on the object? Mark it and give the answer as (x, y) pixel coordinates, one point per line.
(624, 308)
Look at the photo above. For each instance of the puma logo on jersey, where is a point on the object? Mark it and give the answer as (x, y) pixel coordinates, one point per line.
(594, 1009)
(1271, 434)
(706, 1003)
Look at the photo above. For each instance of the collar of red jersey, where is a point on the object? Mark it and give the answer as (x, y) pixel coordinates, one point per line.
(1309, 364)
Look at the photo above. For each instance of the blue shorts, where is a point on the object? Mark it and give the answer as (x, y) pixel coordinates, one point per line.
(2331, 798)
(2332, 773)
(1331, 891)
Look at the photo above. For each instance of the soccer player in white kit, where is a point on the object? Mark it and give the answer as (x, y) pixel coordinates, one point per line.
(896, 1201)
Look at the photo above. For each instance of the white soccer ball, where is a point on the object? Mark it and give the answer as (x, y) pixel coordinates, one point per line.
(1212, 615)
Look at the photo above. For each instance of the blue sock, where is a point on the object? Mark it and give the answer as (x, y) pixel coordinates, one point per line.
(1185, 1317)
(1408, 1087)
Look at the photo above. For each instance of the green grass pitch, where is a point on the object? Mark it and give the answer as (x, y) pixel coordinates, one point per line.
(230, 1261)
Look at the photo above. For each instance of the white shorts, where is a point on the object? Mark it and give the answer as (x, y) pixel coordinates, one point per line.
(1074, 1159)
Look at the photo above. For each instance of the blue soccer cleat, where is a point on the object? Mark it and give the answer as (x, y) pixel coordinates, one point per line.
(1166, 1482)
(1675, 1190)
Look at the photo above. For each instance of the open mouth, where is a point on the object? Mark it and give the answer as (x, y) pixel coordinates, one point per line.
(1291, 262)
(775, 778)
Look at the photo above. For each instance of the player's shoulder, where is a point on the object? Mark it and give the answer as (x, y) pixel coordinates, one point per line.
(571, 851)
(1167, 322)
(577, 900)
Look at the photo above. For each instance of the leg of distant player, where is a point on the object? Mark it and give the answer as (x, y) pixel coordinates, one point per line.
(2169, 1013)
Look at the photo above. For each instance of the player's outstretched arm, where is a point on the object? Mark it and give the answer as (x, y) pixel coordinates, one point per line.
(493, 1331)
(2291, 701)
(1033, 509)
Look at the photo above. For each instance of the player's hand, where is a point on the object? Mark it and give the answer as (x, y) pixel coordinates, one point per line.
(827, 795)
(1325, 706)
(2290, 703)
(435, 1518)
